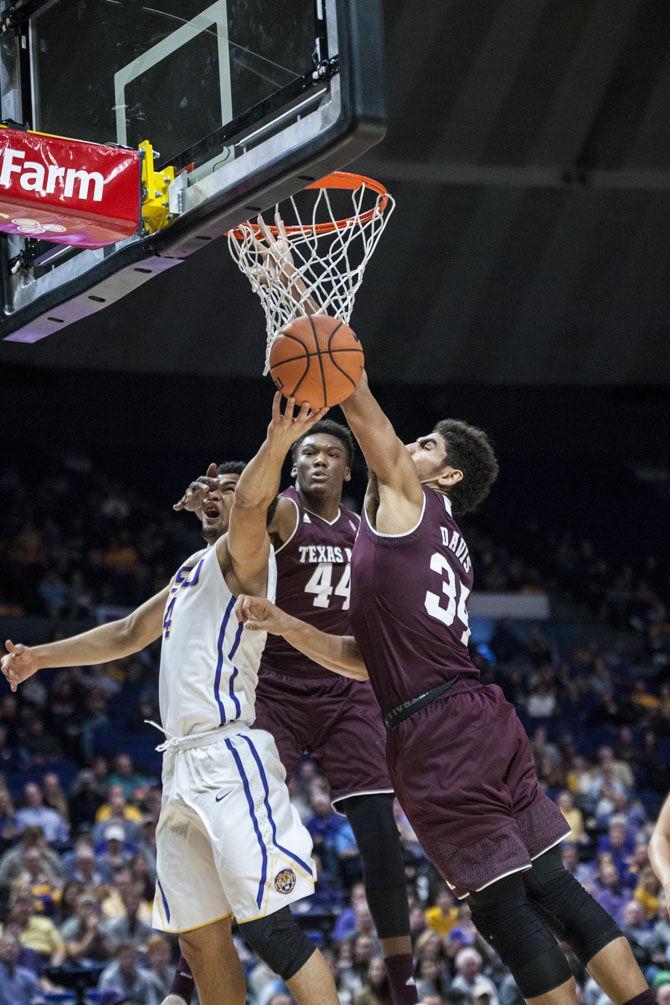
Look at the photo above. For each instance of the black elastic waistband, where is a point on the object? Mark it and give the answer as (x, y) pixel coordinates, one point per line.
(400, 712)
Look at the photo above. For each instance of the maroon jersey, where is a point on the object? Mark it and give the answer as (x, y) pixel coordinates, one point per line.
(313, 583)
(409, 613)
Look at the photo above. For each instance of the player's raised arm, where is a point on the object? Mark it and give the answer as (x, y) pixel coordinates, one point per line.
(247, 542)
(388, 460)
(108, 642)
(339, 653)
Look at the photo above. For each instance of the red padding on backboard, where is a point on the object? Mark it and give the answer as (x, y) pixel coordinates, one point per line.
(67, 191)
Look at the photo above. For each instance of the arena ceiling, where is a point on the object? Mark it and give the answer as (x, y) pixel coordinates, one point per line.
(529, 150)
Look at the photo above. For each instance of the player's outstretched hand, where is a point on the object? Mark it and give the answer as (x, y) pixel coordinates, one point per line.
(287, 427)
(194, 496)
(275, 250)
(260, 615)
(19, 664)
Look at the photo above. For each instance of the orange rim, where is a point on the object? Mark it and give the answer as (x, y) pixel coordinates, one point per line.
(343, 180)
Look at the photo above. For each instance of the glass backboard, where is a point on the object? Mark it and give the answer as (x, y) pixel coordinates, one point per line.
(249, 100)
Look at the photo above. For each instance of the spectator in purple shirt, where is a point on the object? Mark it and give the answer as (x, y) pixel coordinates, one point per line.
(323, 828)
(607, 890)
(36, 814)
(618, 843)
(18, 986)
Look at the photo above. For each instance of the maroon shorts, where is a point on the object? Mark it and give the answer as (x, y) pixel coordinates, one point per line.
(463, 772)
(336, 720)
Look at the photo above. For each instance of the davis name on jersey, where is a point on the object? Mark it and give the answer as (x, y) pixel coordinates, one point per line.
(209, 665)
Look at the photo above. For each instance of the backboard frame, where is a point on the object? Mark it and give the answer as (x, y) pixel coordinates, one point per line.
(335, 113)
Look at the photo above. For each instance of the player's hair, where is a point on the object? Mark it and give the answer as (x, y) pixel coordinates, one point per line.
(331, 428)
(236, 468)
(469, 449)
(231, 468)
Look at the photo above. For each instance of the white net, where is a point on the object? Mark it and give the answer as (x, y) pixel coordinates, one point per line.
(311, 261)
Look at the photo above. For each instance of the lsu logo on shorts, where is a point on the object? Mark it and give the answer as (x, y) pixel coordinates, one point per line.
(285, 881)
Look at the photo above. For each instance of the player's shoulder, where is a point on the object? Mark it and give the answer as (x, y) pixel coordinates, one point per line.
(350, 518)
(193, 559)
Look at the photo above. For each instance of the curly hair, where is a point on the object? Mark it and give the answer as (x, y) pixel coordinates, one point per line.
(469, 449)
(331, 428)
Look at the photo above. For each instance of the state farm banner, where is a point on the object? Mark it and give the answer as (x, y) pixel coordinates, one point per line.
(67, 191)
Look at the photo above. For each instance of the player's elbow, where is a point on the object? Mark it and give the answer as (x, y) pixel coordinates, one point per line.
(353, 660)
(247, 501)
(130, 635)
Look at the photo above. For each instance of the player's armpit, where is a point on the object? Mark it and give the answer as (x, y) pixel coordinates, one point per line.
(284, 521)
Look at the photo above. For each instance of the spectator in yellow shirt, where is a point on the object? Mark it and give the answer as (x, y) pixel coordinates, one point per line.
(118, 808)
(35, 931)
(444, 915)
(113, 905)
(647, 891)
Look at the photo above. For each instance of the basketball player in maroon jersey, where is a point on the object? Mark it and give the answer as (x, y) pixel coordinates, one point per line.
(458, 755)
(309, 710)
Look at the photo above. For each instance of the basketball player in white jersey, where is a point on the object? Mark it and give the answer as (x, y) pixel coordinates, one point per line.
(229, 843)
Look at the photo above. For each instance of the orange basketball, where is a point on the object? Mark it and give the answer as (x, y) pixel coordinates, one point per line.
(316, 359)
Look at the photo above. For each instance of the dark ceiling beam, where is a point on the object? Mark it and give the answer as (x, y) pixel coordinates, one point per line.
(570, 117)
(637, 304)
(472, 116)
(446, 321)
(504, 176)
(652, 142)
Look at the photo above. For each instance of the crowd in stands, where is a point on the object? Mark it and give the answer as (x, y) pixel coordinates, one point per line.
(80, 792)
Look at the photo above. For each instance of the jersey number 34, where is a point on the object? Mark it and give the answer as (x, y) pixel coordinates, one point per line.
(455, 607)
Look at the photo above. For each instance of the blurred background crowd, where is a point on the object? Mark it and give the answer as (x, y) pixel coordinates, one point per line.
(80, 779)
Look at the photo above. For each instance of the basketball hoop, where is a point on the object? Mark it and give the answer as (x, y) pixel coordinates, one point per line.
(318, 260)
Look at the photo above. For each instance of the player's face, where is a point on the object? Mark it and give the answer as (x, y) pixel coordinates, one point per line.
(217, 506)
(320, 466)
(429, 454)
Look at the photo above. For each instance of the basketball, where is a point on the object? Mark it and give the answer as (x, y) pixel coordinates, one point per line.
(316, 359)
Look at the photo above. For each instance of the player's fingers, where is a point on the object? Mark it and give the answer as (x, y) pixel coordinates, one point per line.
(212, 470)
(305, 412)
(281, 226)
(265, 231)
(244, 607)
(276, 407)
(289, 411)
(9, 646)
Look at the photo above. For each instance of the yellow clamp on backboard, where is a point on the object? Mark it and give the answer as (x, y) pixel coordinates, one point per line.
(155, 206)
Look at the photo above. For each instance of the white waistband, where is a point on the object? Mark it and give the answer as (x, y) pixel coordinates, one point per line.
(173, 743)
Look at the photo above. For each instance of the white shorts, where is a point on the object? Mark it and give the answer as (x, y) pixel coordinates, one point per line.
(228, 841)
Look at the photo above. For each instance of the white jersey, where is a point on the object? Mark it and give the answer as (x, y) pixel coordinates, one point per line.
(209, 665)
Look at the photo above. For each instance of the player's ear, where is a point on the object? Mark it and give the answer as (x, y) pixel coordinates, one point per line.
(347, 474)
(449, 477)
(294, 471)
